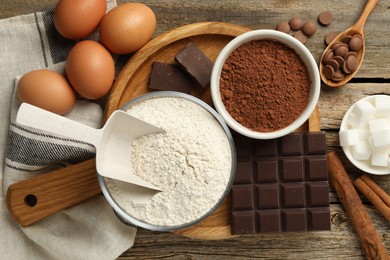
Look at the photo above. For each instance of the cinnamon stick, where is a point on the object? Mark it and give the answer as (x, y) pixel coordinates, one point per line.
(378, 197)
(365, 230)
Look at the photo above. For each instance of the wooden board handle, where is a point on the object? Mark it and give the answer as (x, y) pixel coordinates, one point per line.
(34, 199)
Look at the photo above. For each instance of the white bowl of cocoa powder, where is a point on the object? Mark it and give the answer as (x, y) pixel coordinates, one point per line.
(265, 84)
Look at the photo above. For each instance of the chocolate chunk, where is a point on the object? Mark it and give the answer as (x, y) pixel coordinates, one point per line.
(295, 23)
(283, 190)
(269, 221)
(318, 194)
(283, 27)
(319, 219)
(169, 77)
(242, 197)
(293, 195)
(309, 28)
(315, 143)
(267, 170)
(243, 172)
(294, 220)
(244, 222)
(316, 168)
(292, 169)
(268, 196)
(267, 148)
(196, 64)
(291, 144)
(325, 18)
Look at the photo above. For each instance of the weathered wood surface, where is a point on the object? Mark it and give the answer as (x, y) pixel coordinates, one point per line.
(373, 78)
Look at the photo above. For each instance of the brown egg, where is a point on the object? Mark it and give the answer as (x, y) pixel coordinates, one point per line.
(46, 89)
(76, 19)
(90, 69)
(127, 27)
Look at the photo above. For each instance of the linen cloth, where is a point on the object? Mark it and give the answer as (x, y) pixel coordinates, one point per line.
(89, 230)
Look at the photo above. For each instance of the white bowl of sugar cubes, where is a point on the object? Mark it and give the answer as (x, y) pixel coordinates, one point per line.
(365, 134)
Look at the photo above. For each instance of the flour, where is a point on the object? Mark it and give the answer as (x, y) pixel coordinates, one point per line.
(190, 162)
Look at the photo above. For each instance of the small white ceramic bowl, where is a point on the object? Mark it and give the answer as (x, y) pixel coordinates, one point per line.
(300, 50)
(362, 165)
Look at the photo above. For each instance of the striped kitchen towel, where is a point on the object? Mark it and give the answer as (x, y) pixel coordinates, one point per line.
(86, 231)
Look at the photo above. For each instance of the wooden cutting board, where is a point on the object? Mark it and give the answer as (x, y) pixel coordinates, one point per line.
(66, 187)
(133, 81)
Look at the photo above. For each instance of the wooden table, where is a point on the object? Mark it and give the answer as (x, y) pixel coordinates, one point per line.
(373, 78)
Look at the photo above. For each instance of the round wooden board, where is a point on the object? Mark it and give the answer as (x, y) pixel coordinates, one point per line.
(133, 81)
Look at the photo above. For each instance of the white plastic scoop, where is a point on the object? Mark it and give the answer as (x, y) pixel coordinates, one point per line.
(113, 143)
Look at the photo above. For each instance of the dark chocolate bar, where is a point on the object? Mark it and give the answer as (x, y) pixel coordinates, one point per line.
(196, 64)
(281, 185)
(171, 77)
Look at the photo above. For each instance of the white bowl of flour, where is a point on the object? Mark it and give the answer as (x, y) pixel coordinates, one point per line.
(193, 162)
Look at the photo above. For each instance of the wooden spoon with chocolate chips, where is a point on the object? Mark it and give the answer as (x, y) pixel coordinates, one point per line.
(347, 49)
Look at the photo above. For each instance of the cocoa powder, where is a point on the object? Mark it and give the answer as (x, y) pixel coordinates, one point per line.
(264, 85)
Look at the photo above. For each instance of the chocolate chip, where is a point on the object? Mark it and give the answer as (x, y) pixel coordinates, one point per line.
(335, 65)
(356, 43)
(330, 37)
(328, 72)
(283, 27)
(300, 37)
(340, 60)
(295, 23)
(309, 28)
(341, 50)
(327, 56)
(338, 76)
(351, 63)
(346, 39)
(325, 18)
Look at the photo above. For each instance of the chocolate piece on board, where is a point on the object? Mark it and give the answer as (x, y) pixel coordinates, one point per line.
(309, 28)
(166, 76)
(281, 185)
(196, 64)
(295, 23)
(283, 27)
(325, 18)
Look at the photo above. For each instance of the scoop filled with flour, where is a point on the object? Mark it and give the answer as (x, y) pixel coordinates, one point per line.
(192, 161)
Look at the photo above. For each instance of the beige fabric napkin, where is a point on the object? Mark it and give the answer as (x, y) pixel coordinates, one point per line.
(90, 230)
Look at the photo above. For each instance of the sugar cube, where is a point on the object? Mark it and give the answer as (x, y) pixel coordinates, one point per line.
(363, 134)
(355, 122)
(380, 159)
(378, 124)
(349, 137)
(361, 151)
(382, 105)
(364, 110)
(381, 138)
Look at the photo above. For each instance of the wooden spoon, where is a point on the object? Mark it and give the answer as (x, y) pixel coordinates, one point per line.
(357, 28)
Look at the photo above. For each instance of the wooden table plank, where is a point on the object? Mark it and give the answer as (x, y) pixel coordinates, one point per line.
(341, 242)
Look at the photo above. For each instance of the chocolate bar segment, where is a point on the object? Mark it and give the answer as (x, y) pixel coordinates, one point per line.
(244, 222)
(281, 185)
(196, 64)
(166, 76)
